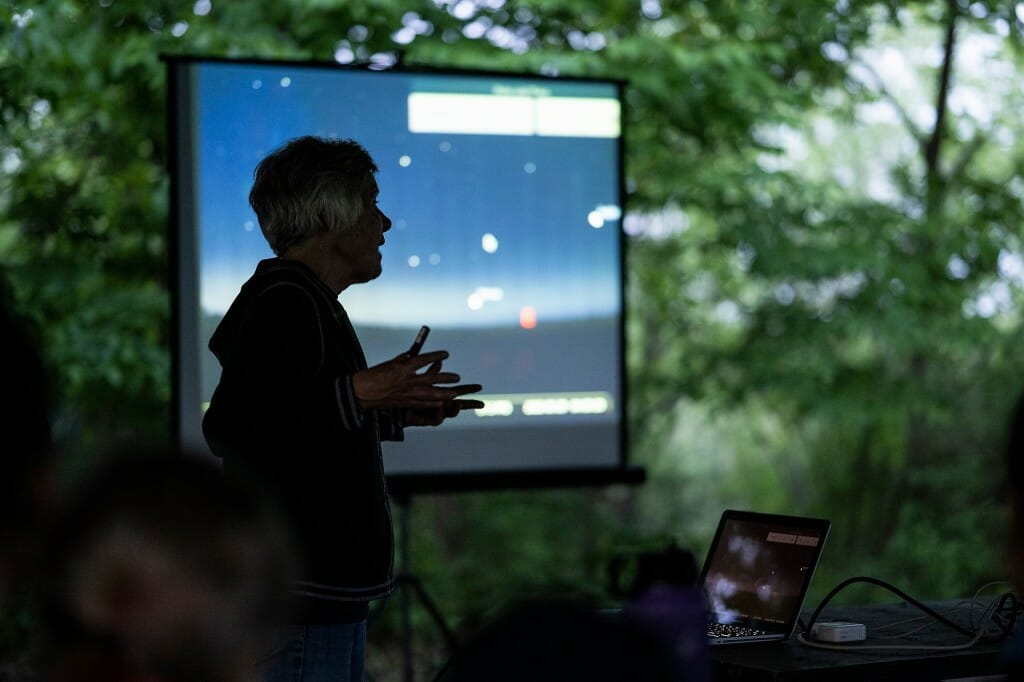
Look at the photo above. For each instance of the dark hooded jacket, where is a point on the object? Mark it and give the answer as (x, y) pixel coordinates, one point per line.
(284, 415)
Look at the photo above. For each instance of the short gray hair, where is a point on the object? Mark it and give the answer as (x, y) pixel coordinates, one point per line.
(307, 186)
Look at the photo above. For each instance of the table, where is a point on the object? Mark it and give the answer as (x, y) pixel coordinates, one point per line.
(791, 661)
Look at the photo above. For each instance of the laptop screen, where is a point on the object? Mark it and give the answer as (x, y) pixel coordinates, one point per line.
(759, 568)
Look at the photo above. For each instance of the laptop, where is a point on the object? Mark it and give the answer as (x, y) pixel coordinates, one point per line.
(757, 573)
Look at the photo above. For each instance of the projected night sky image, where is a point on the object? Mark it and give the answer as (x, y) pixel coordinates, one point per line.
(505, 203)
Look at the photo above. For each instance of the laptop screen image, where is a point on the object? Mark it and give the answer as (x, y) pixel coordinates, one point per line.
(758, 571)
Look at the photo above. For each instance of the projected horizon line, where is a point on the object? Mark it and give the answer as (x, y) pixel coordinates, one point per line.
(545, 404)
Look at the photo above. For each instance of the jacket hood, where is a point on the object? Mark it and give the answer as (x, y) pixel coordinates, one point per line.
(225, 339)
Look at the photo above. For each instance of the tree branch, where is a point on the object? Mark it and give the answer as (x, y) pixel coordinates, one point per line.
(965, 156)
(934, 146)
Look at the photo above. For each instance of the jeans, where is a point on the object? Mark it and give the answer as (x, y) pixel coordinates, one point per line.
(319, 653)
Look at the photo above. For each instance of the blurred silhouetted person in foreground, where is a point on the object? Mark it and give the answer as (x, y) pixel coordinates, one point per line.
(27, 478)
(557, 641)
(298, 409)
(27, 487)
(1014, 653)
(160, 569)
(663, 600)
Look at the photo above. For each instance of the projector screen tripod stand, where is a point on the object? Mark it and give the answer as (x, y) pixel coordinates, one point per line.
(407, 582)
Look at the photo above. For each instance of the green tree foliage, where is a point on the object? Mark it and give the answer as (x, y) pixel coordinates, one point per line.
(858, 337)
(796, 342)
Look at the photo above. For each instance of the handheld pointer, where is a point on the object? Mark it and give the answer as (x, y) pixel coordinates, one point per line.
(417, 344)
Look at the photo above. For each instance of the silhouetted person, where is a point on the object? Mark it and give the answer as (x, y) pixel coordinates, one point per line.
(26, 448)
(298, 409)
(161, 569)
(557, 641)
(27, 475)
(1014, 653)
(663, 600)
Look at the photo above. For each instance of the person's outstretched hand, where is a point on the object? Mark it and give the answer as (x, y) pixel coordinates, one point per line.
(399, 384)
(433, 416)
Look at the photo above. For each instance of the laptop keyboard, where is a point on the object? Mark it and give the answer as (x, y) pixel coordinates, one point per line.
(724, 631)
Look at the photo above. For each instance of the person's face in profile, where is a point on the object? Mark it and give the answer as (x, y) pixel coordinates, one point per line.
(360, 245)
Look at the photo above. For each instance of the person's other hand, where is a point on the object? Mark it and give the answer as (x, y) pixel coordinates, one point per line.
(399, 384)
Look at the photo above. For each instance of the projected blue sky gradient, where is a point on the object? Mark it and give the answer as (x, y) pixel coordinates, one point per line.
(487, 228)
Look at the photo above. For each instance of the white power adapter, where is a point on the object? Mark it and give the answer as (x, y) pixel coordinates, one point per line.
(838, 632)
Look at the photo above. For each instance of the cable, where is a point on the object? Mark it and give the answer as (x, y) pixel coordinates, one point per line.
(894, 647)
(906, 597)
(982, 589)
(908, 633)
(887, 647)
(970, 605)
(1002, 612)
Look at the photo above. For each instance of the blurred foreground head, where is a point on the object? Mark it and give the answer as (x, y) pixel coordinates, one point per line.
(162, 569)
(26, 454)
(1015, 471)
(558, 640)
